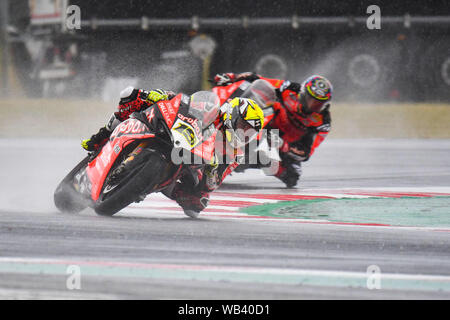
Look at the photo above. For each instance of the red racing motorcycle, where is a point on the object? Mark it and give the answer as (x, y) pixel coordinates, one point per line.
(142, 155)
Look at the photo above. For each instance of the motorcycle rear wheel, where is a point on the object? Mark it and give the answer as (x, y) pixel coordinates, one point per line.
(66, 198)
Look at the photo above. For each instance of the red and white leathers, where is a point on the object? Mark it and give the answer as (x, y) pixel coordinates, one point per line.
(194, 198)
(301, 132)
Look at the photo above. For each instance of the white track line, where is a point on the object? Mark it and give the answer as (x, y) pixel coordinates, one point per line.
(232, 269)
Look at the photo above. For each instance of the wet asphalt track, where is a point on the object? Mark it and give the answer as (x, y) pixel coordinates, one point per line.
(169, 256)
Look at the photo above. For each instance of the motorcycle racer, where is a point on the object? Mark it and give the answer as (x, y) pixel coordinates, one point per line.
(239, 121)
(302, 117)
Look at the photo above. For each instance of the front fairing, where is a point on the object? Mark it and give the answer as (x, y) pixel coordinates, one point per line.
(192, 128)
(125, 133)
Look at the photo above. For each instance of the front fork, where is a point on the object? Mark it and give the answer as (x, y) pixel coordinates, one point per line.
(167, 184)
(123, 167)
(135, 152)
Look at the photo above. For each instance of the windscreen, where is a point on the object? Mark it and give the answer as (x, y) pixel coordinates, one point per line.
(205, 106)
(262, 92)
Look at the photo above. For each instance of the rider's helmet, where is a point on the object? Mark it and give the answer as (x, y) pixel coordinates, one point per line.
(314, 95)
(243, 119)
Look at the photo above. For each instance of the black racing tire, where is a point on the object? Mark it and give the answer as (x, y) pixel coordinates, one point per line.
(66, 198)
(144, 176)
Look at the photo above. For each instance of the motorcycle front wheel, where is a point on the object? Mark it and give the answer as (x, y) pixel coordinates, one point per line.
(146, 171)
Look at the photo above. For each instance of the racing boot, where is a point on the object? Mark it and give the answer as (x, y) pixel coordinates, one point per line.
(289, 174)
(97, 140)
(192, 201)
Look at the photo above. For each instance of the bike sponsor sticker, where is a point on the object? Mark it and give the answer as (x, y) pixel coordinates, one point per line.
(150, 114)
(169, 109)
(185, 134)
(130, 126)
(206, 149)
(194, 123)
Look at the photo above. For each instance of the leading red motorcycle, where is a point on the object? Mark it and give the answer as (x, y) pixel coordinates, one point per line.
(138, 158)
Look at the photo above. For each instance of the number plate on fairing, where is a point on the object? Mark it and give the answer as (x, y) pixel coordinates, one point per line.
(186, 132)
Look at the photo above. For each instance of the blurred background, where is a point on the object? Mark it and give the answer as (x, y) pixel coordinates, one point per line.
(179, 45)
(150, 43)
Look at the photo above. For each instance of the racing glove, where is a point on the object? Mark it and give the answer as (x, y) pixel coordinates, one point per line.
(211, 175)
(154, 96)
(249, 76)
(292, 86)
(135, 100)
(224, 79)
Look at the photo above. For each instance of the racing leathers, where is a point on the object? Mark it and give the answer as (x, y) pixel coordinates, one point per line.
(232, 118)
(194, 197)
(301, 133)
